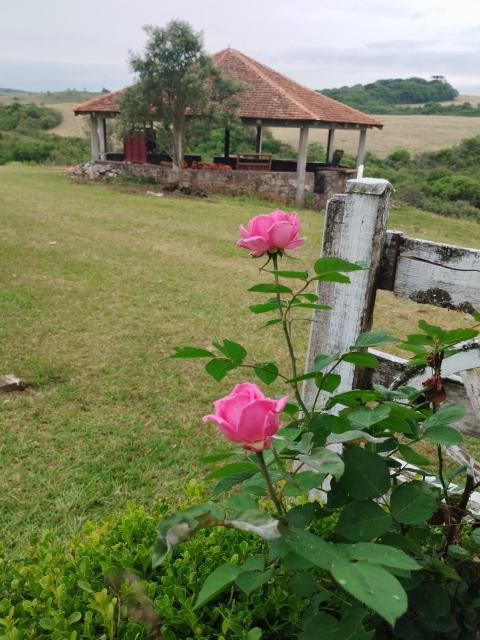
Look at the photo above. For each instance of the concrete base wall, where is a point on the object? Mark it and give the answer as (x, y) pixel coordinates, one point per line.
(272, 185)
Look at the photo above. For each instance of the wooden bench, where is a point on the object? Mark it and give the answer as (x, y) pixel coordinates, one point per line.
(253, 161)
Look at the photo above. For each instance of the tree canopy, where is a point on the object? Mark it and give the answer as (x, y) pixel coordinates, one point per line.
(176, 78)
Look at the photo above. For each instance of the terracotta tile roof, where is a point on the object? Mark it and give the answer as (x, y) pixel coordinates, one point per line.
(267, 95)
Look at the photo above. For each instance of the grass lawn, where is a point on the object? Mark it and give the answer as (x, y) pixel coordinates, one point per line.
(97, 287)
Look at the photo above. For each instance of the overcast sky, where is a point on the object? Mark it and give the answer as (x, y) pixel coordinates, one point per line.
(54, 44)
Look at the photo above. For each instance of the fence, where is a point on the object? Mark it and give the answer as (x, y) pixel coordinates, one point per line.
(425, 272)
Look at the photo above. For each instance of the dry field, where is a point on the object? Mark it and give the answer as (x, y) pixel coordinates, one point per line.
(415, 133)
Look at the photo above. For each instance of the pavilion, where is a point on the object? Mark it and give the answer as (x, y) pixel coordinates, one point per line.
(268, 99)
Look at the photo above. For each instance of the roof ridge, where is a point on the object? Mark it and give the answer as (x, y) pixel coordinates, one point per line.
(253, 65)
(100, 97)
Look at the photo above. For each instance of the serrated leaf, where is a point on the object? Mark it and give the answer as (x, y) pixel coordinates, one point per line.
(363, 520)
(232, 350)
(191, 352)
(328, 383)
(323, 360)
(354, 434)
(361, 358)
(264, 307)
(380, 554)
(231, 470)
(374, 338)
(372, 585)
(446, 415)
(365, 417)
(219, 367)
(443, 435)
(366, 474)
(249, 581)
(311, 548)
(324, 461)
(297, 275)
(332, 264)
(312, 305)
(180, 526)
(413, 503)
(412, 456)
(216, 457)
(258, 522)
(270, 288)
(221, 578)
(267, 372)
(228, 482)
(333, 277)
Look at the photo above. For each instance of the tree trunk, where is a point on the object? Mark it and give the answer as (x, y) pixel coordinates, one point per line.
(178, 151)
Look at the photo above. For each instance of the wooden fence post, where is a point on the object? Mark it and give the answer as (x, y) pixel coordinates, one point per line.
(355, 229)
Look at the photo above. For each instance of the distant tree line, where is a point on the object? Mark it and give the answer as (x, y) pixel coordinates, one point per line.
(27, 118)
(388, 96)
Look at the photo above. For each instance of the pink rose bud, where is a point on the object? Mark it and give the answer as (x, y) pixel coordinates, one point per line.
(248, 417)
(271, 233)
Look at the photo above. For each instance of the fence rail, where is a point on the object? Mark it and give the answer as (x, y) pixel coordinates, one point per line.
(423, 271)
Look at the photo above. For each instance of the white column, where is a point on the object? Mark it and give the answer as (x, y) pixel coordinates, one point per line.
(94, 138)
(102, 134)
(361, 152)
(330, 145)
(302, 165)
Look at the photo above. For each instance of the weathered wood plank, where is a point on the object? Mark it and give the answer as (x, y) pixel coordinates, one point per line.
(393, 372)
(431, 273)
(355, 227)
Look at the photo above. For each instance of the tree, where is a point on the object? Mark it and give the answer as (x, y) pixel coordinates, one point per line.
(176, 80)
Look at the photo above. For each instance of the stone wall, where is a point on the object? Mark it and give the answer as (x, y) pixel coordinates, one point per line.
(274, 185)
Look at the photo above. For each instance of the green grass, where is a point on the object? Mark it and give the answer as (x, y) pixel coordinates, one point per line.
(97, 287)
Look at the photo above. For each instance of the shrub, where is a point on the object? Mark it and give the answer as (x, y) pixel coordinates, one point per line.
(457, 188)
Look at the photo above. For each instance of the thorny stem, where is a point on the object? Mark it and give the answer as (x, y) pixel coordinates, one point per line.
(281, 511)
(288, 339)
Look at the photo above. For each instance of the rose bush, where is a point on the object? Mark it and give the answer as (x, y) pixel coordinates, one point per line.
(398, 559)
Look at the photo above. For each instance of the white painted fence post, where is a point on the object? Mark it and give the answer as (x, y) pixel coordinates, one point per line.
(355, 230)
(94, 138)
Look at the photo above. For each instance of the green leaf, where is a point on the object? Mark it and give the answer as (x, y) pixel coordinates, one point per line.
(221, 578)
(413, 503)
(361, 358)
(302, 483)
(231, 470)
(412, 456)
(74, 617)
(249, 581)
(264, 307)
(311, 548)
(328, 383)
(312, 305)
(219, 367)
(228, 482)
(366, 474)
(334, 277)
(443, 435)
(267, 372)
(271, 322)
(363, 520)
(180, 526)
(430, 329)
(453, 336)
(270, 288)
(255, 633)
(297, 275)
(330, 263)
(446, 415)
(258, 522)
(348, 436)
(232, 350)
(380, 554)
(191, 352)
(374, 338)
(323, 626)
(324, 461)
(365, 417)
(373, 586)
(323, 360)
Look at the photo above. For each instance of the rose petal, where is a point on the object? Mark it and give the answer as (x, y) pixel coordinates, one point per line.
(249, 388)
(254, 418)
(281, 234)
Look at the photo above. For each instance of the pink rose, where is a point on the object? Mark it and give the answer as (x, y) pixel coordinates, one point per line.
(271, 232)
(247, 416)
